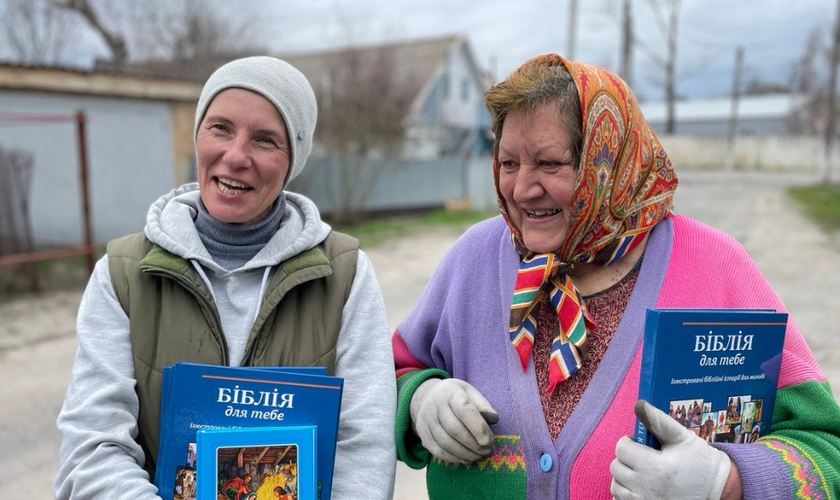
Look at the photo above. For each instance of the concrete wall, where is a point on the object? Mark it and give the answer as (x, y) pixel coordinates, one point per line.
(804, 155)
(130, 162)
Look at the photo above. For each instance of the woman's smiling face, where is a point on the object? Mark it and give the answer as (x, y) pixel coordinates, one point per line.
(537, 176)
(243, 156)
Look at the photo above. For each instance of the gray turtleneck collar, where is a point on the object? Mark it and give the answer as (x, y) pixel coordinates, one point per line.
(233, 245)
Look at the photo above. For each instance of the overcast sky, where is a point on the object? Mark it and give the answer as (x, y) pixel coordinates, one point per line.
(503, 34)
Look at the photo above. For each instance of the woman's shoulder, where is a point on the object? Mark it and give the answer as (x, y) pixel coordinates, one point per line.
(706, 247)
(135, 246)
(691, 233)
(483, 242)
(481, 233)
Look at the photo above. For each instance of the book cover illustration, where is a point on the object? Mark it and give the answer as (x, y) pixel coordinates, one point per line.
(197, 397)
(257, 463)
(715, 371)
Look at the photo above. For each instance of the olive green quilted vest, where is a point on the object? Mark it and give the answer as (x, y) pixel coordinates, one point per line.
(173, 317)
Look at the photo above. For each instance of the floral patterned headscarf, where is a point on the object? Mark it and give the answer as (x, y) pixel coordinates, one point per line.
(624, 187)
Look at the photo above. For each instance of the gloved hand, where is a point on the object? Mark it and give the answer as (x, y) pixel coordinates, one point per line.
(685, 467)
(452, 419)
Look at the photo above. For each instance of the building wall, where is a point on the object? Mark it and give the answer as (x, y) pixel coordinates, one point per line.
(772, 153)
(182, 117)
(130, 162)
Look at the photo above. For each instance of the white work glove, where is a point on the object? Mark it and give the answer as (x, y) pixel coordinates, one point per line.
(452, 419)
(685, 467)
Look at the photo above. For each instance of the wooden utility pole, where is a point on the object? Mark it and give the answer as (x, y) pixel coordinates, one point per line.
(671, 68)
(832, 93)
(570, 43)
(625, 70)
(736, 98)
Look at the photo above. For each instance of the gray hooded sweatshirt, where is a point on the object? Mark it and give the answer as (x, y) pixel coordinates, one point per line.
(98, 421)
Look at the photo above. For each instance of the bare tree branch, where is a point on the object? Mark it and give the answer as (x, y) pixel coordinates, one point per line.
(36, 33)
(364, 99)
(115, 42)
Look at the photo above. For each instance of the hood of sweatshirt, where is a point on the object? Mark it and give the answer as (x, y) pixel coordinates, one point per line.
(170, 223)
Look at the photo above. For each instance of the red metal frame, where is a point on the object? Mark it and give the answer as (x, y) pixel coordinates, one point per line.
(88, 249)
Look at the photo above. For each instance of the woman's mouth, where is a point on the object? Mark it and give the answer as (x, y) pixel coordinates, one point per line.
(541, 214)
(230, 186)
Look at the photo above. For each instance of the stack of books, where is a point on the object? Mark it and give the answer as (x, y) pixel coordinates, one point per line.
(242, 432)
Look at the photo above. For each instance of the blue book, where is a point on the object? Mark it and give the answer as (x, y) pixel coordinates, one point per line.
(197, 396)
(165, 407)
(165, 413)
(268, 462)
(713, 370)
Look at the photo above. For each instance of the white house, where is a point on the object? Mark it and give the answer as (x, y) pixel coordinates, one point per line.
(445, 114)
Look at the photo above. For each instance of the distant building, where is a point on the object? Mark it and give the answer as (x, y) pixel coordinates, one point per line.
(444, 114)
(757, 115)
(140, 120)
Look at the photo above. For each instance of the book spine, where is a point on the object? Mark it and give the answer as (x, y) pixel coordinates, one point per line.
(646, 375)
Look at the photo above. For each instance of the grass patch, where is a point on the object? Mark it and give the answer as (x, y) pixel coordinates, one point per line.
(374, 232)
(821, 202)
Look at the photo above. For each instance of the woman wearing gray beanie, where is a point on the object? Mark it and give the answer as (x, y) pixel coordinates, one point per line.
(231, 270)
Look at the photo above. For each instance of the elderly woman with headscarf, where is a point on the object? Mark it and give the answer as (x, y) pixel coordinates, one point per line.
(518, 369)
(231, 270)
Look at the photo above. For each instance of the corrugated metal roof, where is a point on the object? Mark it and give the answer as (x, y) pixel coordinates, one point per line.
(720, 108)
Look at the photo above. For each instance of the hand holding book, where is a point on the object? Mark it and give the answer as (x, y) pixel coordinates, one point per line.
(685, 462)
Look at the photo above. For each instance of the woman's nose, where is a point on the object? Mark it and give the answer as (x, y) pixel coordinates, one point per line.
(528, 185)
(238, 152)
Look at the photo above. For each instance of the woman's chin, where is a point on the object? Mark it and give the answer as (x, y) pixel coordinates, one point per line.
(542, 248)
(542, 245)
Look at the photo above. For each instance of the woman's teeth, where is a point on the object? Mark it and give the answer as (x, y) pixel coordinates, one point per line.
(229, 186)
(541, 213)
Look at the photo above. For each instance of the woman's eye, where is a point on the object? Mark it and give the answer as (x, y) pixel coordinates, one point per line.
(507, 164)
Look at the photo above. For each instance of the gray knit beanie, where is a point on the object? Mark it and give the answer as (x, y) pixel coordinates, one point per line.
(280, 83)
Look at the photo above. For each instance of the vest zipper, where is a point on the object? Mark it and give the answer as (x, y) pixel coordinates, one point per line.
(207, 307)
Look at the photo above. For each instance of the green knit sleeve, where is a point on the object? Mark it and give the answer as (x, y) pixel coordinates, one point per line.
(409, 448)
(806, 436)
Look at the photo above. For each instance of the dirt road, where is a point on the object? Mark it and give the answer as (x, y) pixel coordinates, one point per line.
(802, 263)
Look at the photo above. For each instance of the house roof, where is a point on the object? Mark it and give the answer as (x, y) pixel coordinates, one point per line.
(414, 60)
(415, 63)
(195, 69)
(70, 80)
(720, 108)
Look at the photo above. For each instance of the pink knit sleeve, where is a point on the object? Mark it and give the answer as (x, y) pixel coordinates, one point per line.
(404, 361)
